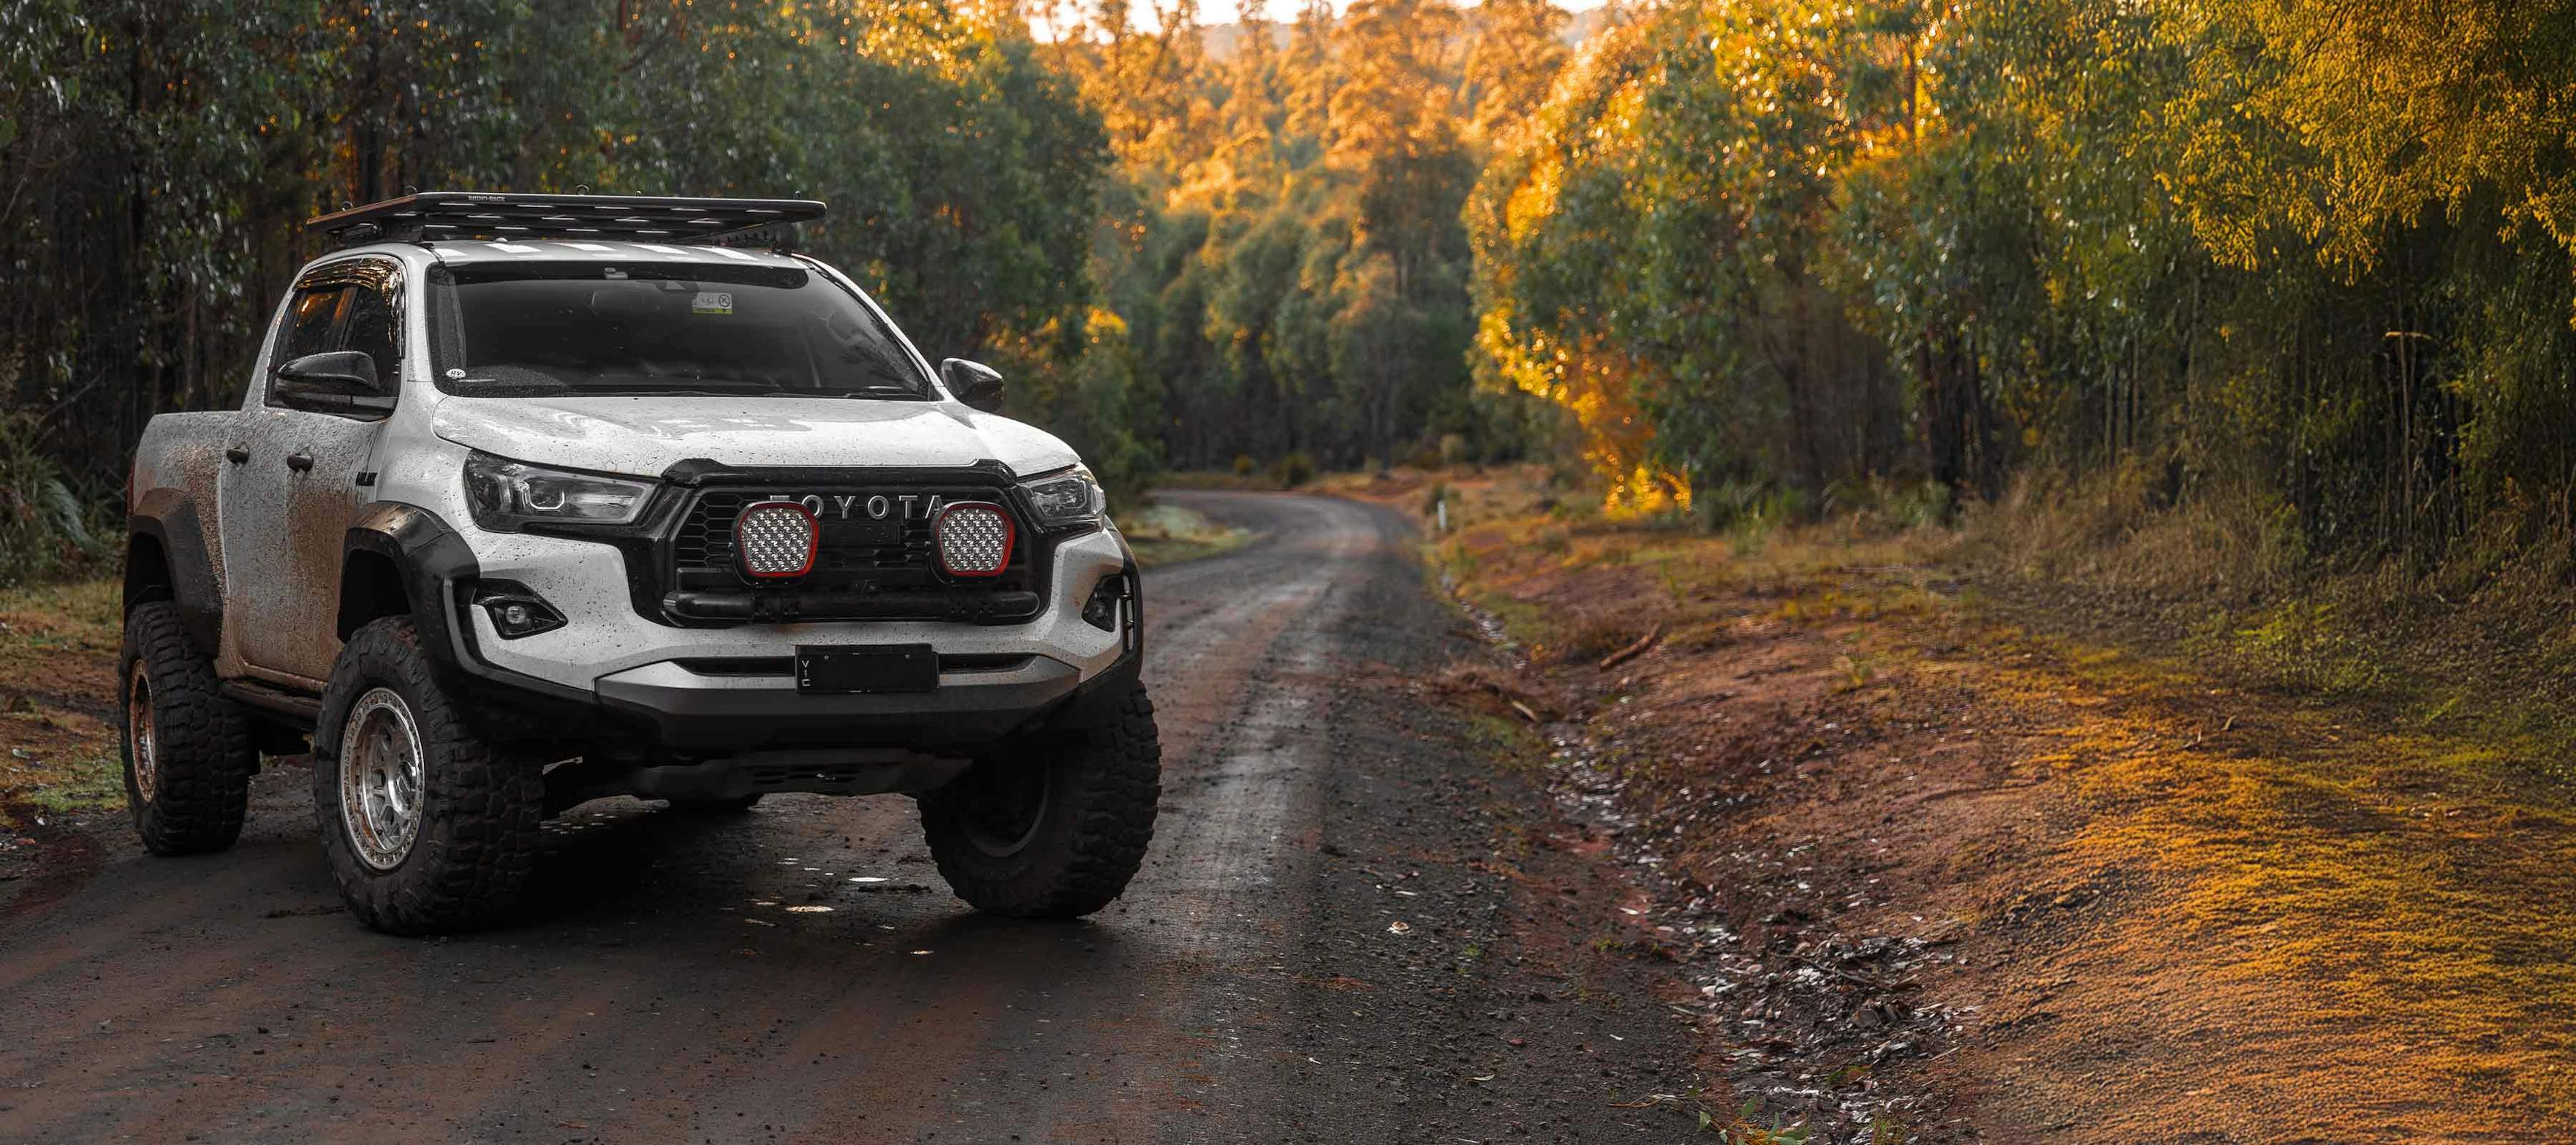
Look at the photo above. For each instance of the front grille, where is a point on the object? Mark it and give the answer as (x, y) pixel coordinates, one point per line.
(864, 567)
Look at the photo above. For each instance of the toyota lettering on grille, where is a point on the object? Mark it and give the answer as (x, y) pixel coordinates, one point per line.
(869, 506)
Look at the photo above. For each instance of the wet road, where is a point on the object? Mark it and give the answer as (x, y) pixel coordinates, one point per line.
(801, 974)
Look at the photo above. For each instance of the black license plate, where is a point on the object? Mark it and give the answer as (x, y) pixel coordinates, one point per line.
(867, 668)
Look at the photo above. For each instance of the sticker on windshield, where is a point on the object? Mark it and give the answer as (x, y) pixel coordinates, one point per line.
(713, 302)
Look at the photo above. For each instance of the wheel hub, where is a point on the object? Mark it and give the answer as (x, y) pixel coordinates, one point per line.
(139, 746)
(1008, 803)
(380, 778)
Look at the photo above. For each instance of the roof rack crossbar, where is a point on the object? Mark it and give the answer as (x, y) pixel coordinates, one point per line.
(433, 215)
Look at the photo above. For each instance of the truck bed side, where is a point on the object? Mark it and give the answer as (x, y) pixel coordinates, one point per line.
(174, 550)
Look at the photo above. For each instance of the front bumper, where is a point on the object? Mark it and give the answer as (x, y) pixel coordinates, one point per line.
(610, 682)
(698, 716)
(835, 745)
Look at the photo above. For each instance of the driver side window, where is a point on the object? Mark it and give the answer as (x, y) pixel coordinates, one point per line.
(310, 324)
(368, 323)
(344, 307)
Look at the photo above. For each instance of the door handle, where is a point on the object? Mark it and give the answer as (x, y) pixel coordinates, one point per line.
(236, 454)
(299, 461)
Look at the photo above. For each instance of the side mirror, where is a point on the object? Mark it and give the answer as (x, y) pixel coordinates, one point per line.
(343, 381)
(973, 383)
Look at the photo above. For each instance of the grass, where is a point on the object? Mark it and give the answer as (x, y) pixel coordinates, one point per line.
(85, 783)
(2480, 644)
(1168, 534)
(57, 666)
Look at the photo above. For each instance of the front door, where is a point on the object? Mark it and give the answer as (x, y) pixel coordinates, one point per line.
(290, 484)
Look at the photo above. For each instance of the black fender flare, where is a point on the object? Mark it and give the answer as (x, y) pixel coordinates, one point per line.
(437, 566)
(169, 517)
(431, 559)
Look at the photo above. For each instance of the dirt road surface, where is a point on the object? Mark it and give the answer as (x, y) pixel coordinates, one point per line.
(800, 974)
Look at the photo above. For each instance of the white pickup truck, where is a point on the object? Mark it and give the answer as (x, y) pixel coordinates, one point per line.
(535, 499)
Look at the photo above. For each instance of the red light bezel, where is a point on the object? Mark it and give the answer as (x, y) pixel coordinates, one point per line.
(813, 539)
(1010, 538)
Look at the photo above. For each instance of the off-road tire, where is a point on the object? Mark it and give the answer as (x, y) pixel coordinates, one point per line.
(481, 806)
(1089, 837)
(201, 745)
(717, 808)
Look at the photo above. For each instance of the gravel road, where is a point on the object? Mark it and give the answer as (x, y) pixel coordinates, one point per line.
(1343, 933)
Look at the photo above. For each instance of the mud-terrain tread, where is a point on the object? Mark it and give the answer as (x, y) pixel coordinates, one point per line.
(716, 808)
(1114, 787)
(202, 739)
(484, 806)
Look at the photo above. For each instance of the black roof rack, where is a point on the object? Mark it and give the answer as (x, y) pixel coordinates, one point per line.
(432, 215)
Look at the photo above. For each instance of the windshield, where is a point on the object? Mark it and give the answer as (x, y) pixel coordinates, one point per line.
(533, 329)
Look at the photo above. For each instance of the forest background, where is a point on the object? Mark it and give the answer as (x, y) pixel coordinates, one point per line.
(2286, 283)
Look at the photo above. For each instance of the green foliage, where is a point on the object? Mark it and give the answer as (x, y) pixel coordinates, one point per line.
(46, 532)
(1285, 240)
(2270, 250)
(1755, 259)
(2300, 646)
(1293, 470)
(161, 156)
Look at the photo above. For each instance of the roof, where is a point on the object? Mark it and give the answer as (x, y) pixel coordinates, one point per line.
(438, 215)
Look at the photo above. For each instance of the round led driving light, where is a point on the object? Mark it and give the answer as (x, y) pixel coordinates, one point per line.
(775, 540)
(974, 539)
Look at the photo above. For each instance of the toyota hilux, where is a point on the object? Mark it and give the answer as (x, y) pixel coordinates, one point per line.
(537, 499)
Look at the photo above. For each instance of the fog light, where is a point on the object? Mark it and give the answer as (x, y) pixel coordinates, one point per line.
(1101, 611)
(776, 540)
(974, 539)
(515, 610)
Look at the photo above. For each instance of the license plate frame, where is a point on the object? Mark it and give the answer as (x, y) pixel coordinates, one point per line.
(861, 669)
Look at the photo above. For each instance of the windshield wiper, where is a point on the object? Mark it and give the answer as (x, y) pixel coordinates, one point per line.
(500, 388)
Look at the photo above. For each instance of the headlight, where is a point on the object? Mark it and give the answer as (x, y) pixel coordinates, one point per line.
(1067, 498)
(507, 495)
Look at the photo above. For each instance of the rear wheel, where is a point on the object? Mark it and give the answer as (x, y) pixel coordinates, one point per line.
(427, 828)
(188, 755)
(1051, 827)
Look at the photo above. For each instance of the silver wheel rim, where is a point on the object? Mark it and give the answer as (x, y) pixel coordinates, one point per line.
(380, 778)
(139, 747)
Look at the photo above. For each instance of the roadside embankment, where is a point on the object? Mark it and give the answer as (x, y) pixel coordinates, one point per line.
(1950, 851)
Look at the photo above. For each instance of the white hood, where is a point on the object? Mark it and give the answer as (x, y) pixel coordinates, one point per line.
(643, 436)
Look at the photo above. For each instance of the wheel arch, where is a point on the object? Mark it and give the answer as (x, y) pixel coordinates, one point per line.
(166, 558)
(400, 560)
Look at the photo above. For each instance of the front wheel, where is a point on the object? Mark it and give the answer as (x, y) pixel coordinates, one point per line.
(427, 828)
(1055, 826)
